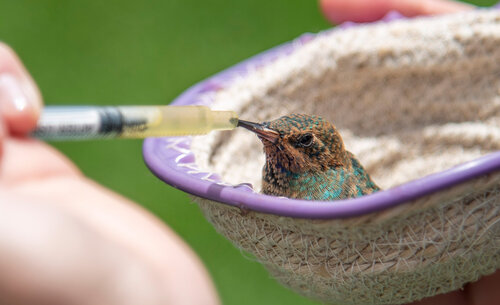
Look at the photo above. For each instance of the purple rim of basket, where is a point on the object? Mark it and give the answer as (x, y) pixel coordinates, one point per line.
(171, 160)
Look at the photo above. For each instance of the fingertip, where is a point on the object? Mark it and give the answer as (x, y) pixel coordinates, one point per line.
(338, 11)
(20, 99)
(19, 105)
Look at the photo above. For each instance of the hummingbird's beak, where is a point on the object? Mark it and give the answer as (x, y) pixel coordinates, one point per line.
(261, 130)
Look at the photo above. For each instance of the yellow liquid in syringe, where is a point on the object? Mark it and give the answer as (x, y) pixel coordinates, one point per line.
(160, 121)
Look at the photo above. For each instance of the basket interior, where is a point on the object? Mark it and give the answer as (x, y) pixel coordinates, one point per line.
(410, 97)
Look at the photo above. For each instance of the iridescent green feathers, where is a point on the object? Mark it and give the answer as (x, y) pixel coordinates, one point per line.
(306, 159)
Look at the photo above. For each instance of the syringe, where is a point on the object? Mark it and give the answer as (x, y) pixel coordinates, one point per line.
(93, 122)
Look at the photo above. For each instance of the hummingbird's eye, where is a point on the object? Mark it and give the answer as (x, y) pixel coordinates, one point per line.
(305, 140)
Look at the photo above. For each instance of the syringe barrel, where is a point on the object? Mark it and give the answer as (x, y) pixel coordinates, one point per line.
(87, 122)
(78, 123)
(175, 121)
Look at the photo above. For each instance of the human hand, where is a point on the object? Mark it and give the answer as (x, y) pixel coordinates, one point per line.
(67, 240)
(338, 11)
(484, 291)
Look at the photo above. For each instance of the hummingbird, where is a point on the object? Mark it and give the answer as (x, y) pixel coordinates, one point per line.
(306, 159)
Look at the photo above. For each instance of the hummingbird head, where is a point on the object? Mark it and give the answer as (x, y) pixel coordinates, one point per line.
(300, 143)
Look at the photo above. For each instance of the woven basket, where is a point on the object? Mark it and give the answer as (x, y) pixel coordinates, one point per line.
(418, 101)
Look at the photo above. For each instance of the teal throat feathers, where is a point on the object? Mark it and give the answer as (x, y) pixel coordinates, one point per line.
(306, 159)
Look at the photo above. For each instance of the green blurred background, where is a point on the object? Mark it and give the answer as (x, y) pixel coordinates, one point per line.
(133, 52)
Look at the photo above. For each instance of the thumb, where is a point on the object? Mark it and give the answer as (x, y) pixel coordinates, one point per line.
(338, 11)
(20, 100)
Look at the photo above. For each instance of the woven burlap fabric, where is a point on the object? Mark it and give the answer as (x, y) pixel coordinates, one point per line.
(410, 98)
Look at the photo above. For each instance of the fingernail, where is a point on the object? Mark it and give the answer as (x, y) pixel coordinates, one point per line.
(13, 97)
